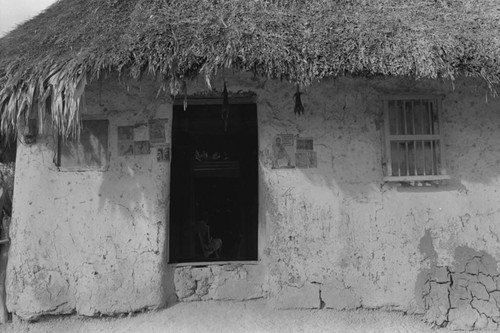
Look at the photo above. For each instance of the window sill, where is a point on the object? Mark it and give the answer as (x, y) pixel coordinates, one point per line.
(215, 263)
(412, 179)
(82, 169)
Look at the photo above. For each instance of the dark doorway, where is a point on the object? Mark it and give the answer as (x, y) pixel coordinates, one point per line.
(8, 149)
(214, 184)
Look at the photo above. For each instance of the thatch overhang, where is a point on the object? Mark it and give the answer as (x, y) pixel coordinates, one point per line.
(47, 61)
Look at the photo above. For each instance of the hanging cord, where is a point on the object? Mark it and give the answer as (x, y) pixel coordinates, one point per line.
(225, 107)
(185, 92)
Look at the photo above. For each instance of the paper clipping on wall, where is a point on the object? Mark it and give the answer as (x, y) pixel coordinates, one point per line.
(141, 132)
(305, 157)
(163, 153)
(283, 151)
(141, 148)
(157, 131)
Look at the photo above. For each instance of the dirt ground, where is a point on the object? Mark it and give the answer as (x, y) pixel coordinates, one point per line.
(251, 316)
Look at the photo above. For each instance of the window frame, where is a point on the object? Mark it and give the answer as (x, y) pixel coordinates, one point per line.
(390, 138)
(82, 168)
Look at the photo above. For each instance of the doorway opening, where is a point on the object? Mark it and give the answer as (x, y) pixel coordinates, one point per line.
(8, 149)
(214, 184)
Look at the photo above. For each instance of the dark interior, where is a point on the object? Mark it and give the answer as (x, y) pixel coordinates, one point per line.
(214, 197)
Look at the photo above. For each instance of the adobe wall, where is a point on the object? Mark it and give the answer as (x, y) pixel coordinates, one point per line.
(91, 242)
(331, 236)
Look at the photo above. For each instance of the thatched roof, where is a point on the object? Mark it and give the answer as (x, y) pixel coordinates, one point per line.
(49, 59)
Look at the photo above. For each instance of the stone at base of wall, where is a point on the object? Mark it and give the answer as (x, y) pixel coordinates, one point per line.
(64, 310)
(333, 294)
(218, 282)
(304, 297)
(339, 297)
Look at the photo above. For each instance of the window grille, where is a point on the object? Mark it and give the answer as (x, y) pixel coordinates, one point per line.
(413, 138)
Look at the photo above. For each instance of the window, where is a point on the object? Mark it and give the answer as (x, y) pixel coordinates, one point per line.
(413, 138)
(88, 153)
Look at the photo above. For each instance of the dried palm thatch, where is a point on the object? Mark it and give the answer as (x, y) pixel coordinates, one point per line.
(47, 61)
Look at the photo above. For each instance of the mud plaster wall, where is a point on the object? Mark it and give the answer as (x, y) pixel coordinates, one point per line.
(332, 236)
(91, 242)
(336, 235)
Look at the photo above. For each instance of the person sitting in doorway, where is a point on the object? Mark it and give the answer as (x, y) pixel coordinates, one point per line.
(209, 245)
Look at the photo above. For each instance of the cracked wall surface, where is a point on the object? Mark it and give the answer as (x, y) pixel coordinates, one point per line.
(466, 295)
(333, 236)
